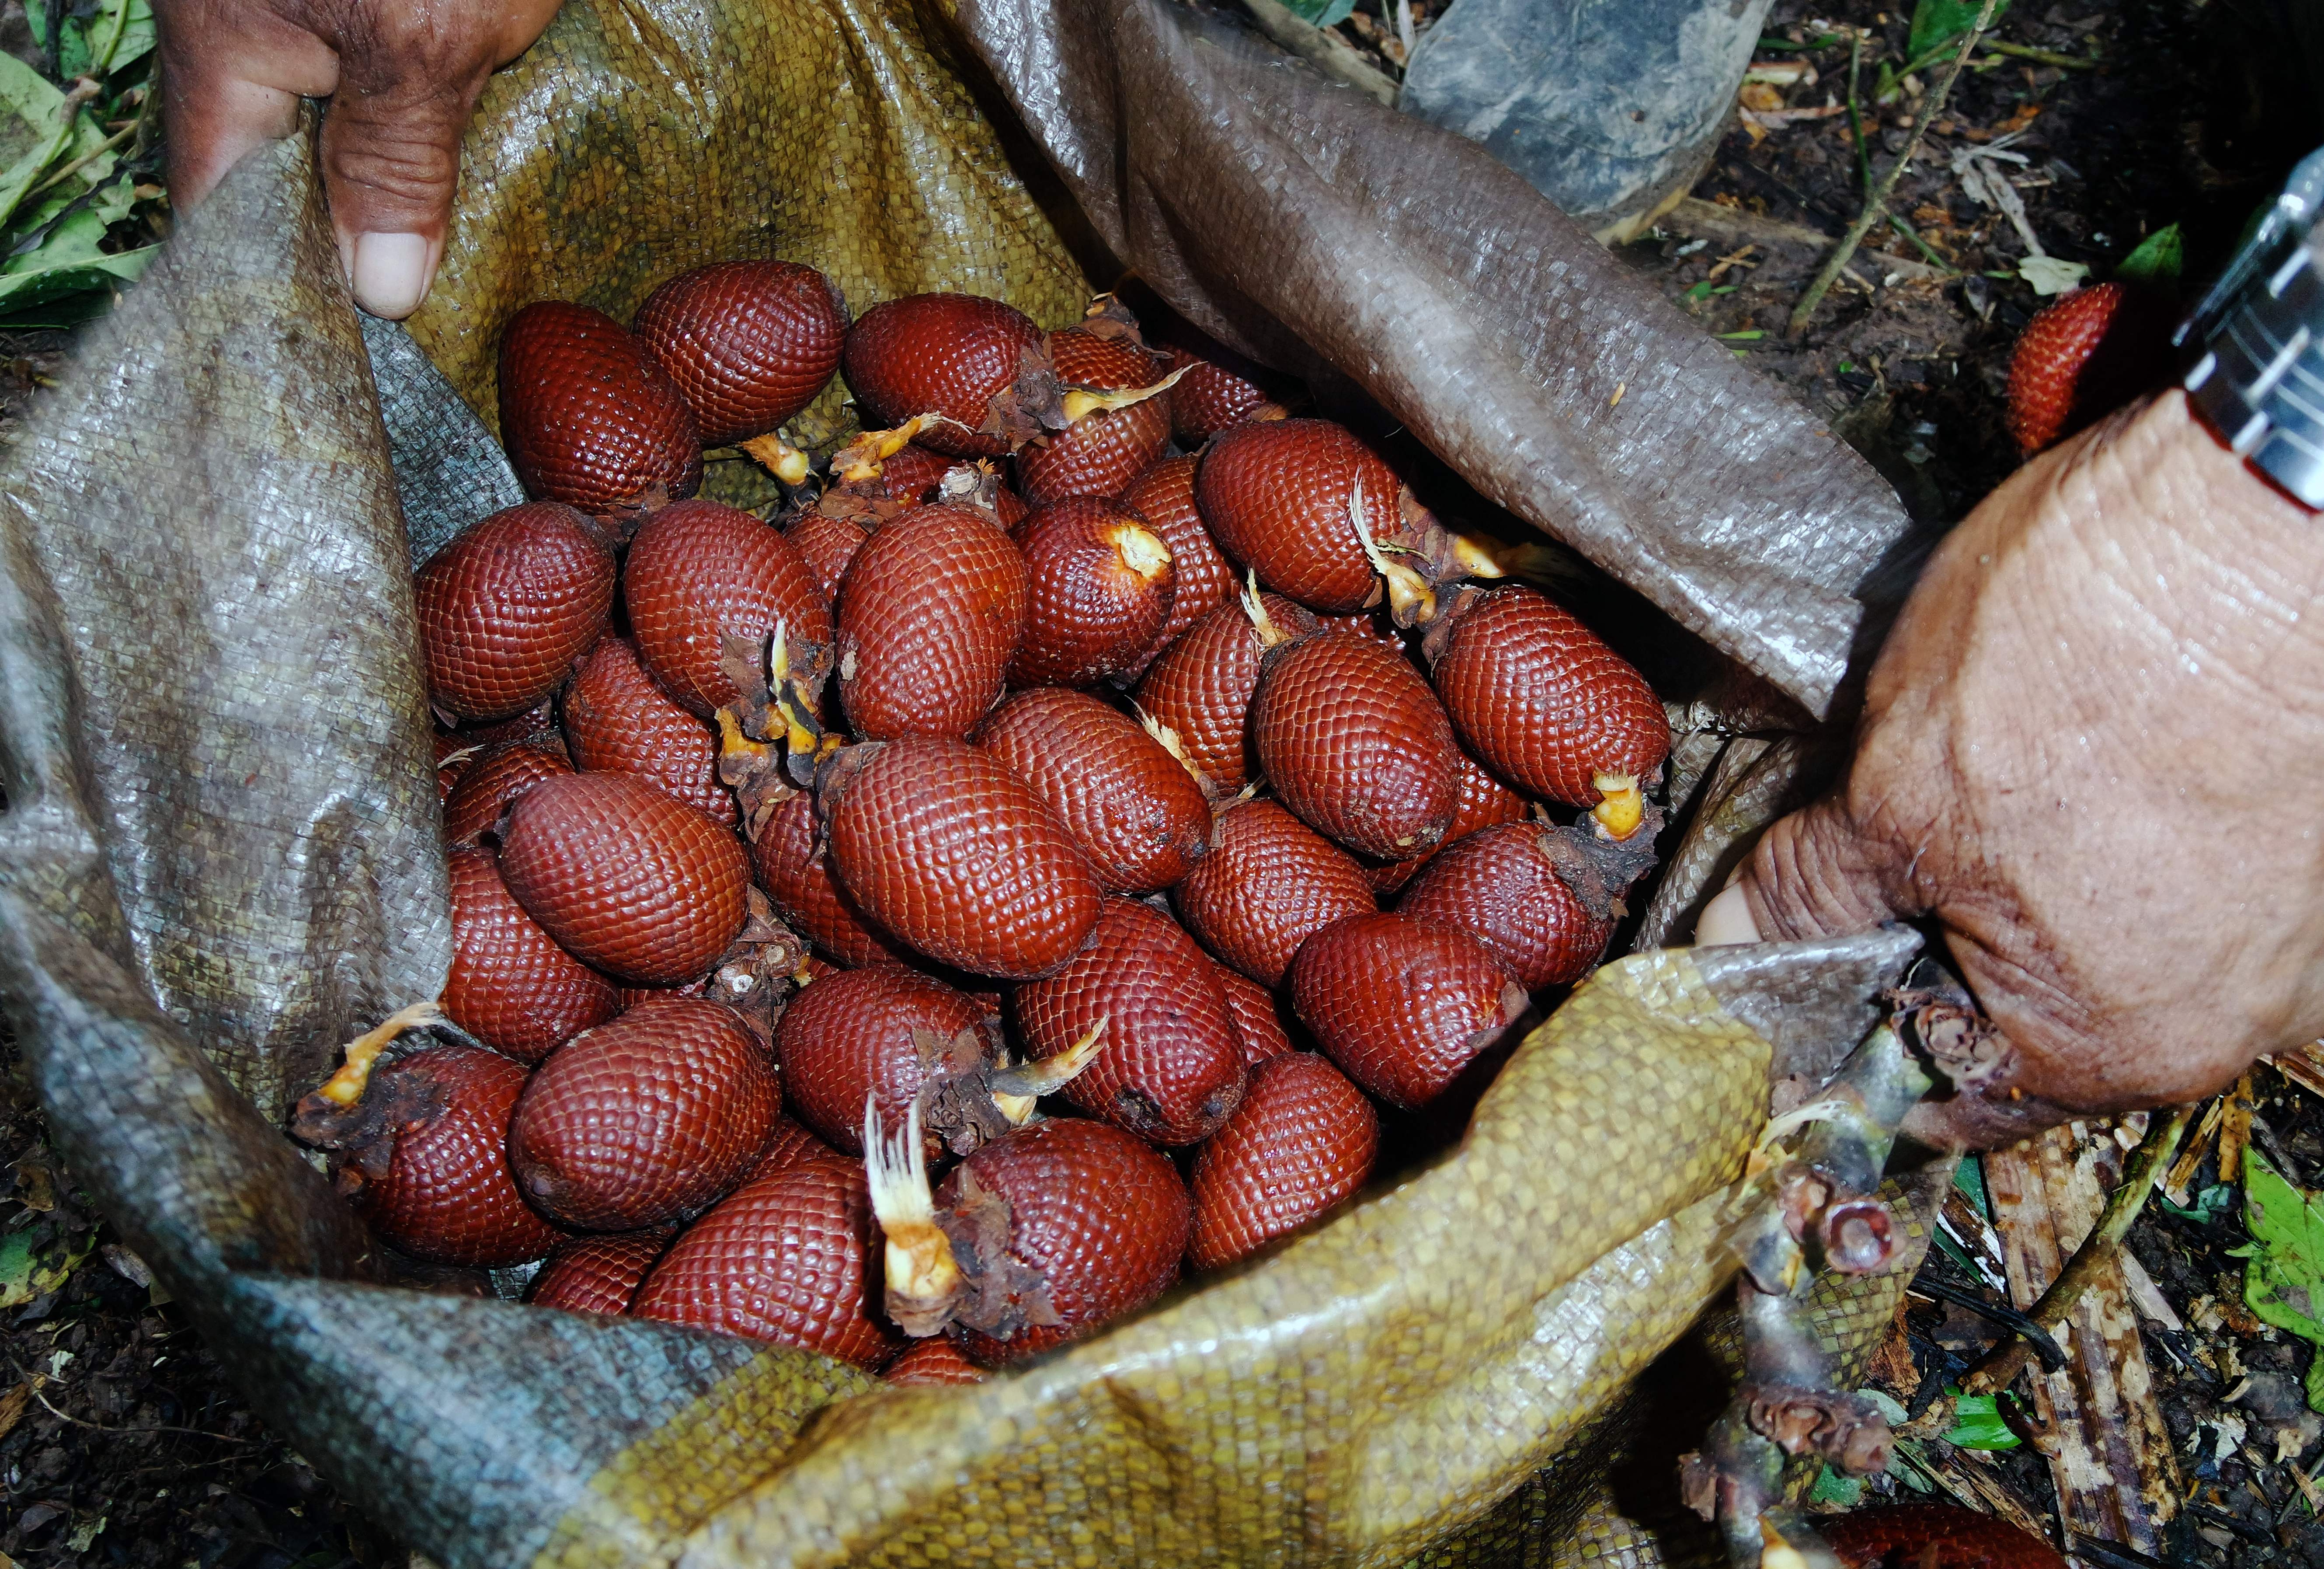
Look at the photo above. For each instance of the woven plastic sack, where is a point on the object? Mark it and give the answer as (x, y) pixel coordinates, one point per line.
(220, 854)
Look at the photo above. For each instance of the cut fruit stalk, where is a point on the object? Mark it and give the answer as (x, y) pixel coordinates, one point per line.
(1410, 599)
(1080, 402)
(345, 1087)
(1168, 739)
(1142, 551)
(1015, 1090)
(1269, 634)
(1624, 805)
(923, 1282)
(860, 459)
(779, 457)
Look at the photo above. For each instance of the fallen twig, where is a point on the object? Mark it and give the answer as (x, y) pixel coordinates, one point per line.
(1877, 207)
(1328, 52)
(2043, 56)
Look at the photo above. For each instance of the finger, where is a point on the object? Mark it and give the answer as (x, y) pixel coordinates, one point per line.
(226, 93)
(1814, 874)
(391, 162)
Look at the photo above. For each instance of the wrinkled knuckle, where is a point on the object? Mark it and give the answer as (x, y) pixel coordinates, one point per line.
(404, 168)
(1806, 879)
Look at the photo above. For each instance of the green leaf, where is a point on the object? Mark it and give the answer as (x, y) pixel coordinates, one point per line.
(1836, 1487)
(2210, 1205)
(1970, 1175)
(1323, 13)
(1977, 1424)
(85, 37)
(1937, 22)
(1748, 335)
(2284, 1282)
(2157, 260)
(1701, 292)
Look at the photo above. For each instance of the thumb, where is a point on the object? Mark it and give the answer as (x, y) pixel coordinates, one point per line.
(1812, 875)
(390, 152)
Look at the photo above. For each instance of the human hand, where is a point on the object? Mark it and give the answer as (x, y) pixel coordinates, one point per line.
(2089, 750)
(403, 76)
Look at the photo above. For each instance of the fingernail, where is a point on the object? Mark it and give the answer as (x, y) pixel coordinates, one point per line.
(1726, 919)
(390, 274)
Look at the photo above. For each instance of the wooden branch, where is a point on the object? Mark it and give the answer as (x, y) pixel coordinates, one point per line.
(1328, 52)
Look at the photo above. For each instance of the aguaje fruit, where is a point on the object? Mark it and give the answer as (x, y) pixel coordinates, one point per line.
(933, 1360)
(1266, 882)
(748, 344)
(1479, 801)
(627, 878)
(896, 1035)
(1172, 1067)
(1164, 498)
(790, 1143)
(1302, 1140)
(1133, 808)
(506, 608)
(700, 572)
(1932, 1537)
(587, 416)
(511, 986)
(494, 777)
(420, 1143)
(1200, 689)
(619, 720)
(795, 877)
(780, 1259)
(977, 361)
(1216, 387)
(1353, 741)
(1100, 452)
(2084, 356)
(1402, 1005)
(930, 614)
(597, 1274)
(946, 848)
(645, 1120)
(1543, 703)
(1259, 1029)
(1038, 1237)
(913, 473)
(828, 545)
(1543, 900)
(1099, 586)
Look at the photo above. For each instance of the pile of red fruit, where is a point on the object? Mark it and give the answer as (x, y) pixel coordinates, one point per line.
(1017, 840)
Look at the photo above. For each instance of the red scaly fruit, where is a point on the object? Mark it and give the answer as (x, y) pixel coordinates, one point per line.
(648, 1118)
(930, 614)
(947, 849)
(701, 571)
(1539, 699)
(828, 545)
(628, 879)
(1543, 900)
(883, 1031)
(1132, 807)
(511, 986)
(933, 1360)
(1200, 689)
(421, 1145)
(2084, 356)
(1267, 881)
(1172, 1066)
(454, 754)
(748, 344)
(1102, 451)
(1368, 626)
(1220, 388)
(586, 415)
(795, 877)
(506, 608)
(781, 1259)
(1275, 494)
(631, 996)
(1163, 496)
(913, 473)
(1352, 740)
(1481, 802)
(1402, 1005)
(1302, 1141)
(496, 777)
(597, 1274)
(791, 1143)
(979, 363)
(1932, 1537)
(619, 720)
(1251, 1006)
(1099, 585)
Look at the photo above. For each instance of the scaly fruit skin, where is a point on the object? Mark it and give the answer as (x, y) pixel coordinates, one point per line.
(828, 545)
(930, 614)
(1220, 388)
(1164, 495)
(506, 608)
(1934, 1537)
(939, 354)
(790, 1144)
(871, 1031)
(1275, 495)
(913, 473)
(1353, 741)
(494, 778)
(1500, 887)
(1302, 1140)
(1132, 806)
(619, 720)
(627, 878)
(648, 1118)
(1202, 685)
(635, 996)
(701, 570)
(946, 848)
(511, 986)
(784, 1259)
(587, 416)
(1100, 585)
(1251, 1006)
(797, 881)
(1267, 881)
(1101, 452)
(597, 1274)
(1099, 1215)
(1402, 1005)
(748, 344)
(1482, 802)
(1171, 1068)
(449, 745)
(2084, 356)
(933, 1360)
(1539, 699)
(447, 1196)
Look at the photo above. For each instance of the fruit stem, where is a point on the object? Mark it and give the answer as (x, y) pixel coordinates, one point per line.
(1142, 551)
(345, 1087)
(1269, 634)
(1410, 599)
(1015, 1089)
(1168, 739)
(861, 458)
(1475, 556)
(1081, 402)
(1624, 805)
(778, 456)
(923, 1282)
